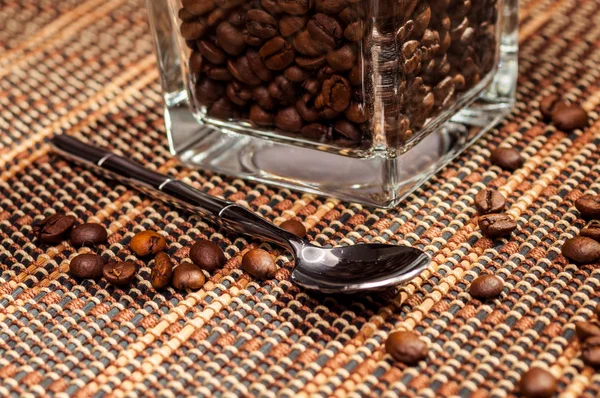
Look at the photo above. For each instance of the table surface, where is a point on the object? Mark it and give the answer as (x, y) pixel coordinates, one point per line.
(86, 68)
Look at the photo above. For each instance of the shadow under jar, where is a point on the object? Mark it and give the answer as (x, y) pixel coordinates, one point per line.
(360, 99)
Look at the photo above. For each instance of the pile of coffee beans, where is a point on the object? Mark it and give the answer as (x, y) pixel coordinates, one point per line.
(563, 114)
(585, 248)
(337, 71)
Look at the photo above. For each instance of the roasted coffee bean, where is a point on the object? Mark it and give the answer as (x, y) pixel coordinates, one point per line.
(585, 330)
(486, 287)
(216, 17)
(263, 98)
(356, 113)
(347, 131)
(193, 30)
(238, 94)
(207, 255)
(342, 59)
(306, 45)
(295, 7)
(356, 75)
(569, 117)
(223, 109)
(590, 352)
(211, 52)
(282, 90)
(54, 229)
(260, 117)
(335, 94)
(228, 4)
(422, 17)
(547, 105)
(162, 271)
(271, 6)
(289, 120)
(290, 24)
(119, 273)
(252, 40)
(241, 70)
(507, 158)
(185, 15)
(406, 347)
(296, 74)
(311, 63)
(147, 243)
(277, 53)
(207, 91)
(496, 225)
(311, 86)
(230, 38)
(258, 67)
(218, 73)
(489, 201)
(537, 383)
(198, 7)
(597, 311)
(261, 24)
(581, 249)
(237, 17)
(259, 264)
(592, 232)
(589, 206)
(354, 31)
(88, 234)
(325, 29)
(444, 92)
(315, 131)
(196, 62)
(306, 111)
(188, 276)
(87, 266)
(331, 6)
(295, 227)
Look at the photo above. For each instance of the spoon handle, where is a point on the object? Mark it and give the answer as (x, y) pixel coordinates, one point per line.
(172, 191)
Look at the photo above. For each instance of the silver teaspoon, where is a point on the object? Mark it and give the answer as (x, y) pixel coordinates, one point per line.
(344, 269)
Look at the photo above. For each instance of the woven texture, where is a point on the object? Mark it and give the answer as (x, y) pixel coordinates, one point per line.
(86, 68)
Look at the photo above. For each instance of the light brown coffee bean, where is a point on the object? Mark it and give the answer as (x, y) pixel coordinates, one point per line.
(162, 271)
(188, 276)
(589, 206)
(486, 286)
(489, 201)
(119, 273)
(581, 250)
(295, 227)
(406, 347)
(259, 263)
(537, 383)
(207, 255)
(147, 243)
(592, 232)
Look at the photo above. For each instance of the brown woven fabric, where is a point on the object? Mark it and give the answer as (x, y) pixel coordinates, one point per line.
(86, 68)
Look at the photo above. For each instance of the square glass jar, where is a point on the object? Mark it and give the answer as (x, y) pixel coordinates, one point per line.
(359, 99)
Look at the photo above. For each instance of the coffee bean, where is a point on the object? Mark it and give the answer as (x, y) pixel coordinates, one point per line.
(223, 109)
(537, 383)
(290, 24)
(547, 105)
(581, 250)
(88, 234)
(196, 63)
(259, 264)
(489, 201)
(296, 74)
(507, 158)
(208, 92)
(198, 7)
(590, 352)
(295, 227)
(263, 98)
(593, 232)
(258, 67)
(486, 287)
(211, 52)
(147, 243)
(277, 53)
(356, 113)
(282, 90)
(331, 6)
(335, 94)
(188, 276)
(589, 206)
(53, 229)
(597, 311)
(237, 93)
(289, 120)
(306, 109)
(569, 117)
(260, 117)
(193, 30)
(218, 73)
(230, 38)
(295, 7)
(585, 330)
(162, 271)
(406, 347)
(496, 225)
(119, 273)
(242, 71)
(306, 45)
(185, 15)
(342, 59)
(325, 29)
(87, 266)
(315, 131)
(347, 131)
(207, 255)
(354, 31)
(261, 24)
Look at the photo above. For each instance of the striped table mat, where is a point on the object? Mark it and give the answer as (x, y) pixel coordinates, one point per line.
(86, 68)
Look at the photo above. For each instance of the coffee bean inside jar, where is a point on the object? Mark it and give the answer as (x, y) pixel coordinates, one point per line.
(337, 71)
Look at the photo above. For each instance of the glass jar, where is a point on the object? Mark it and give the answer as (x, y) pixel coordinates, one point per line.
(360, 99)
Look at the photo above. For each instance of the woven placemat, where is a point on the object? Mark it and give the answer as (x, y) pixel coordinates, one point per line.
(86, 68)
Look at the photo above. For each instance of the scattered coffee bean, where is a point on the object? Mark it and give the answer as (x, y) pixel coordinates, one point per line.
(88, 266)
(259, 263)
(486, 287)
(147, 243)
(597, 311)
(53, 229)
(295, 227)
(537, 383)
(585, 330)
(489, 201)
(592, 232)
(162, 272)
(207, 255)
(188, 276)
(589, 206)
(119, 273)
(88, 234)
(590, 352)
(547, 105)
(507, 158)
(581, 250)
(497, 225)
(569, 117)
(406, 347)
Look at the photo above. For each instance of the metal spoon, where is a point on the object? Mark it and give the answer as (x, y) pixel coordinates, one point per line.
(331, 270)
